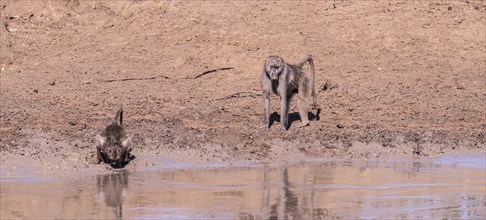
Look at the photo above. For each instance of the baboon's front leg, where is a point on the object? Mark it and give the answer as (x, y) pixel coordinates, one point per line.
(266, 108)
(284, 112)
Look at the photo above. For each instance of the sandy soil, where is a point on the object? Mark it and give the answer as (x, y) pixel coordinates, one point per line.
(393, 78)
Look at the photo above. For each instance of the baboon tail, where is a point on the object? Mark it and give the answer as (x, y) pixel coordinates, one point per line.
(119, 117)
(314, 99)
(308, 58)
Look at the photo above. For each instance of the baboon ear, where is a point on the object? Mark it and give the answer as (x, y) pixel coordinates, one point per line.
(101, 140)
(127, 142)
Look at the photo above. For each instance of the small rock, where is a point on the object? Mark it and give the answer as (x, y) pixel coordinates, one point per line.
(10, 29)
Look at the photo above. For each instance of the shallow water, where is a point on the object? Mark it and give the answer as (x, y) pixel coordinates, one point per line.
(452, 187)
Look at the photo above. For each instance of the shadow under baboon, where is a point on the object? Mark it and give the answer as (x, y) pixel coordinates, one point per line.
(295, 116)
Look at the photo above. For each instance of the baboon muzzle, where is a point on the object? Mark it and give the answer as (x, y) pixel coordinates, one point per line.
(274, 75)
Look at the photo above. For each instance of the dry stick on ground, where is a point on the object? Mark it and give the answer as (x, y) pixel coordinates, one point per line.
(128, 79)
(165, 77)
(238, 95)
(210, 71)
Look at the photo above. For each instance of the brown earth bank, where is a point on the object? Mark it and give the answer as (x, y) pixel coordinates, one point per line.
(392, 78)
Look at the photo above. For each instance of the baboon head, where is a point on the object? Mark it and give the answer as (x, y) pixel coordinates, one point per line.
(113, 150)
(274, 65)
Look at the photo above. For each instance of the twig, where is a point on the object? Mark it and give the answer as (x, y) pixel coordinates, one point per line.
(238, 95)
(210, 71)
(129, 79)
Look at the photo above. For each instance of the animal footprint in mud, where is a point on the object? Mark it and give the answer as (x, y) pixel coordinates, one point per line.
(114, 146)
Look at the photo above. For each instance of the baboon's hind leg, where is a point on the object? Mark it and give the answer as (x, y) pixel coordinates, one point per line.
(302, 104)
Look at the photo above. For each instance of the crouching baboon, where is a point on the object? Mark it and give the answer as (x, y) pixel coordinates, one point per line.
(286, 80)
(113, 144)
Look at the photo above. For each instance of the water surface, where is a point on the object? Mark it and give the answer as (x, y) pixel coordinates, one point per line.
(452, 186)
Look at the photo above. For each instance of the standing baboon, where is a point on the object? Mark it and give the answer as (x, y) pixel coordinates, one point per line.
(113, 144)
(285, 80)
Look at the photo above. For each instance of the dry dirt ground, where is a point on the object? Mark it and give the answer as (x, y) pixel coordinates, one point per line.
(394, 77)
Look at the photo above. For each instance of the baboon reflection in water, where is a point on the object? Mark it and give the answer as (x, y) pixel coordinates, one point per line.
(289, 204)
(111, 187)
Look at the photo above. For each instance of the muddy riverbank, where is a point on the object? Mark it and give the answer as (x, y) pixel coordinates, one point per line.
(393, 78)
